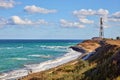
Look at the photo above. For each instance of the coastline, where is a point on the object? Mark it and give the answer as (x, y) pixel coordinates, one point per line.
(35, 68)
(81, 64)
(104, 56)
(78, 49)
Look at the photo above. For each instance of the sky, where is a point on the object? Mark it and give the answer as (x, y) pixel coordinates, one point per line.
(58, 19)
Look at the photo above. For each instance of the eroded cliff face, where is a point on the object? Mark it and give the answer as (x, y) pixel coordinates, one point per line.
(86, 46)
(106, 62)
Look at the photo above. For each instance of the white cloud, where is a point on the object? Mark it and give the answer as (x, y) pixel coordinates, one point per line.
(2, 21)
(115, 17)
(102, 12)
(66, 23)
(16, 20)
(7, 3)
(86, 21)
(36, 9)
(84, 13)
(41, 21)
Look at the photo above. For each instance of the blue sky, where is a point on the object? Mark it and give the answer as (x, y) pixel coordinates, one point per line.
(58, 19)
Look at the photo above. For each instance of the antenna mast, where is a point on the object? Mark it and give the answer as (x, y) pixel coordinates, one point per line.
(101, 34)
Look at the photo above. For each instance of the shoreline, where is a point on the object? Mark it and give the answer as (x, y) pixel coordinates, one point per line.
(31, 69)
(77, 51)
(78, 69)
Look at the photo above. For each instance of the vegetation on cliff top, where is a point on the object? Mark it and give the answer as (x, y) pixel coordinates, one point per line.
(103, 65)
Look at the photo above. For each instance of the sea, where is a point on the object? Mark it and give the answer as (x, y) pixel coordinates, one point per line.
(20, 57)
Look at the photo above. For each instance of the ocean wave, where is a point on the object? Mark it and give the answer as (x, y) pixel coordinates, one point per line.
(19, 58)
(40, 56)
(53, 47)
(19, 47)
(8, 48)
(71, 55)
(3, 75)
(14, 75)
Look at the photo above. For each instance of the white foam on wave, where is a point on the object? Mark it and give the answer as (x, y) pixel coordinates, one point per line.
(3, 75)
(54, 47)
(71, 55)
(8, 48)
(13, 75)
(53, 63)
(19, 58)
(19, 47)
(40, 56)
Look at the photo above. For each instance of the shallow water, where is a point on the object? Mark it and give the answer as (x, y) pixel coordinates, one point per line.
(21, 55)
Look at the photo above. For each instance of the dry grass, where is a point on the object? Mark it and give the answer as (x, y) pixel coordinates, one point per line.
(113, 42)
(89, 45)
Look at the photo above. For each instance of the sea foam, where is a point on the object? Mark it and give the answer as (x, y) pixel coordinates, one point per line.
(19, 58)
(71, 55)
(40, 56)
(53, 47)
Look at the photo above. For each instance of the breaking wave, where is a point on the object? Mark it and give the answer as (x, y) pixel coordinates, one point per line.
(19, 58)
(54, 47)
(71, 55)
(40, 56)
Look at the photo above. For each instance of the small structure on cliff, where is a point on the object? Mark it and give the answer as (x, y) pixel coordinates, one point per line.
(97, 38)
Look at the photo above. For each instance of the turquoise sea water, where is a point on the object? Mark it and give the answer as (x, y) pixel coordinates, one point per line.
(14, 54)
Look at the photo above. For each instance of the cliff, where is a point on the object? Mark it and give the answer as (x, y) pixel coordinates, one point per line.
(103, 65)
(106, 62)
(86, 46)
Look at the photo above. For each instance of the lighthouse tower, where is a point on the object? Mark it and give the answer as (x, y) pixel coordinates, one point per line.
(101, 34)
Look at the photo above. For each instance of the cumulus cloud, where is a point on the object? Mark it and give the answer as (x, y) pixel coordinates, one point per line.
(102, 12)
(115, 17)
(7, 3)
(84, 13)
(83, 17)
(66, 23)
(86, 21)
(36, 9)
(16, 20)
